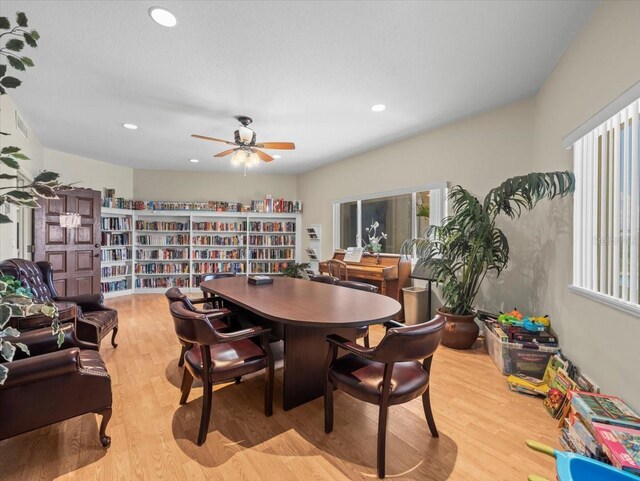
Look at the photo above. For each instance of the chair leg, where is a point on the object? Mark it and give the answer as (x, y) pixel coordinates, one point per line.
(328, 406)
(106, 416)
(366, 340)
(206, 412)
(185, 389)
(113, 337)
(238, 380)
(382, 438)
(183, 351)
(426, 404)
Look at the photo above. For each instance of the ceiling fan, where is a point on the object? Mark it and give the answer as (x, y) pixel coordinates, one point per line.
(247, 152)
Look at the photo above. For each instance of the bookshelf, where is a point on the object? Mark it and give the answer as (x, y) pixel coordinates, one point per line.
(116, 267)
(175, 248)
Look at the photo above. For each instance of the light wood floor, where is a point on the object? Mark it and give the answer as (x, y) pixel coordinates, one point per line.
(482, 424)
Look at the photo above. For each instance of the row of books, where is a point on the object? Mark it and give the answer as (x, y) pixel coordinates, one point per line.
(213, 267)
(161, 254)
(604, 428)
(269, 205)
(115, 223)
(114, 286)
(114, 271)
(162, 240)
(161, 225)
(163, 282)
(220, 226)
(115, 255)
(284, 254)
(117, 203)
(218, 254)
(216, 240)
(211, 205)
(257, 226)
(162, 268)
(272, 240)
(113, 239)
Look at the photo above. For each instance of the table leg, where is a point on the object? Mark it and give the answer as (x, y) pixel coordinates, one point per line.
(305, 351)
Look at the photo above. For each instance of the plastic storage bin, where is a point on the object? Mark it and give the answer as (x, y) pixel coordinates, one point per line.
(416, 303)
(515, 358)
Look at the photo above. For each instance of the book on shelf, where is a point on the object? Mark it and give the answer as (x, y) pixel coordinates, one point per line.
(161, 225)
(621, 445)
(604, 409)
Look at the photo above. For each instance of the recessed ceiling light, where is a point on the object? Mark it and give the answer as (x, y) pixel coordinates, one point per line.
(378, 107)
(130, 126)
(162, 17)
(276, 156)
(195, 161)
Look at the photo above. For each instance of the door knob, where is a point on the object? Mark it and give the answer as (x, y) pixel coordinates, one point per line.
(97, 246)
(96, 255)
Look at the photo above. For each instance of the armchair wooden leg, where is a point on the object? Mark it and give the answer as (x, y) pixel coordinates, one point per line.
(366, 340)
(328, 406)
(426, 404)
(382, 438)
(206, 412)
(106, 416)
(185, 389)
(183, 351)
(113, 337)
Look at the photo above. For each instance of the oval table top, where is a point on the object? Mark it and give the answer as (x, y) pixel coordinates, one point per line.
(306, 303)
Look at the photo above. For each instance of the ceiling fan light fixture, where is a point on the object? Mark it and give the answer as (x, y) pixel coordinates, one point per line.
(163, 17)
(254, 160)
(276, 156)
(246, 135)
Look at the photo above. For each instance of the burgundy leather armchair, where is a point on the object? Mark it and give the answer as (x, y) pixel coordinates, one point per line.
(394, 372)
(220, 357)
(94, 321)
(54, 384)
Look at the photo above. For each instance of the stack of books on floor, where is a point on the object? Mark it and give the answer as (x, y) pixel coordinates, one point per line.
(603, 427)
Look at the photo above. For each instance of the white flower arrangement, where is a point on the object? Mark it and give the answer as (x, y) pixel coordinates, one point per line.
(374, 239)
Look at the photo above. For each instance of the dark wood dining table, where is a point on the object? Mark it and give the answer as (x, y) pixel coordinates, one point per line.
(306, 312)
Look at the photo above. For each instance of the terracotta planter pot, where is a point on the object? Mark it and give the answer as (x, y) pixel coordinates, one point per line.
(460, 332)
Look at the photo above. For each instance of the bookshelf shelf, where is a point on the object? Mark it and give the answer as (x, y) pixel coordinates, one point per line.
(201, 234)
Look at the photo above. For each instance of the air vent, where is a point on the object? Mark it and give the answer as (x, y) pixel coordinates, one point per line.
(21, 126)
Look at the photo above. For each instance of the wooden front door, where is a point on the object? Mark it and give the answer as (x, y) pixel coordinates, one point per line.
(74, 253)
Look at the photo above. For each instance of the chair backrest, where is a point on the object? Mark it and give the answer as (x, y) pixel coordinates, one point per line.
(361, 286)
(338, 269)
(410, 343)
(217, 275)
(324, 279)
(174, 294)
(31, 275)
(192, 327)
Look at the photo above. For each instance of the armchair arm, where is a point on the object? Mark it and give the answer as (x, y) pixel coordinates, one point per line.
(40, 368)
(336, 341)
(392, 324)
(88, 302)
(42, 341)
(242, 334)
(199, 300)
(214, 313)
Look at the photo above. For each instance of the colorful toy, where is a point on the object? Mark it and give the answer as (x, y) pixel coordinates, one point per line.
(575, 467)
(532, 324)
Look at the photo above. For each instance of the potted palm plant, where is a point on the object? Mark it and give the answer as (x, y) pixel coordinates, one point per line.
(468, 245)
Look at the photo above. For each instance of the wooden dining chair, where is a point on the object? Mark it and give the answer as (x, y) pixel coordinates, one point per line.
(216, 302)
(338, 269)
(218, 357)
(362, 331)
(176, 295)
(324, 279)
(394, 372)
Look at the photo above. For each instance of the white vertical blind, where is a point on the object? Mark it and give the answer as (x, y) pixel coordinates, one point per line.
(606, 250)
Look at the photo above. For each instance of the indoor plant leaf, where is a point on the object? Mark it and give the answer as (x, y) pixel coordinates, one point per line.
(10, 162)
(21, 19)
(27, 61)
(46, 176)
(15, 45)
(10, 82)
(30, 40)
(4, 23)
(15, 62)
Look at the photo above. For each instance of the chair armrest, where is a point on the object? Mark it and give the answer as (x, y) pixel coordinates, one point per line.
(392, 324)
(40, 368)
(214, 313)
(42, 341)
(338, 341)
(88, 302)
(199, 300)
(256, 331)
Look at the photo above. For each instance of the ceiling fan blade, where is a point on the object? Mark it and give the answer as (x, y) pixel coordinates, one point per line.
(226, 152)
(263, 155)
(277, 145)
(212, 139)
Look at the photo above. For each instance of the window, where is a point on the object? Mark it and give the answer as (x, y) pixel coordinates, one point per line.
(607, 211)
(401, 215)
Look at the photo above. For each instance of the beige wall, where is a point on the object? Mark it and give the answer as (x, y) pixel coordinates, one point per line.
(602, 62)
(90, 173)
(477, 153)
(200, 186)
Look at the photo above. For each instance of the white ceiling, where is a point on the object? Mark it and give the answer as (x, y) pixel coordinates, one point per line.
(307, 72)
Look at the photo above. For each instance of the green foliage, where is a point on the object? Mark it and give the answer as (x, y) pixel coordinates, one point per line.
(14, 42)
(467, 245)
(423, 210)
(295, 270)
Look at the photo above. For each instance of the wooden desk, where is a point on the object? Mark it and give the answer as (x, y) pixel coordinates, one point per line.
(309, 311)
